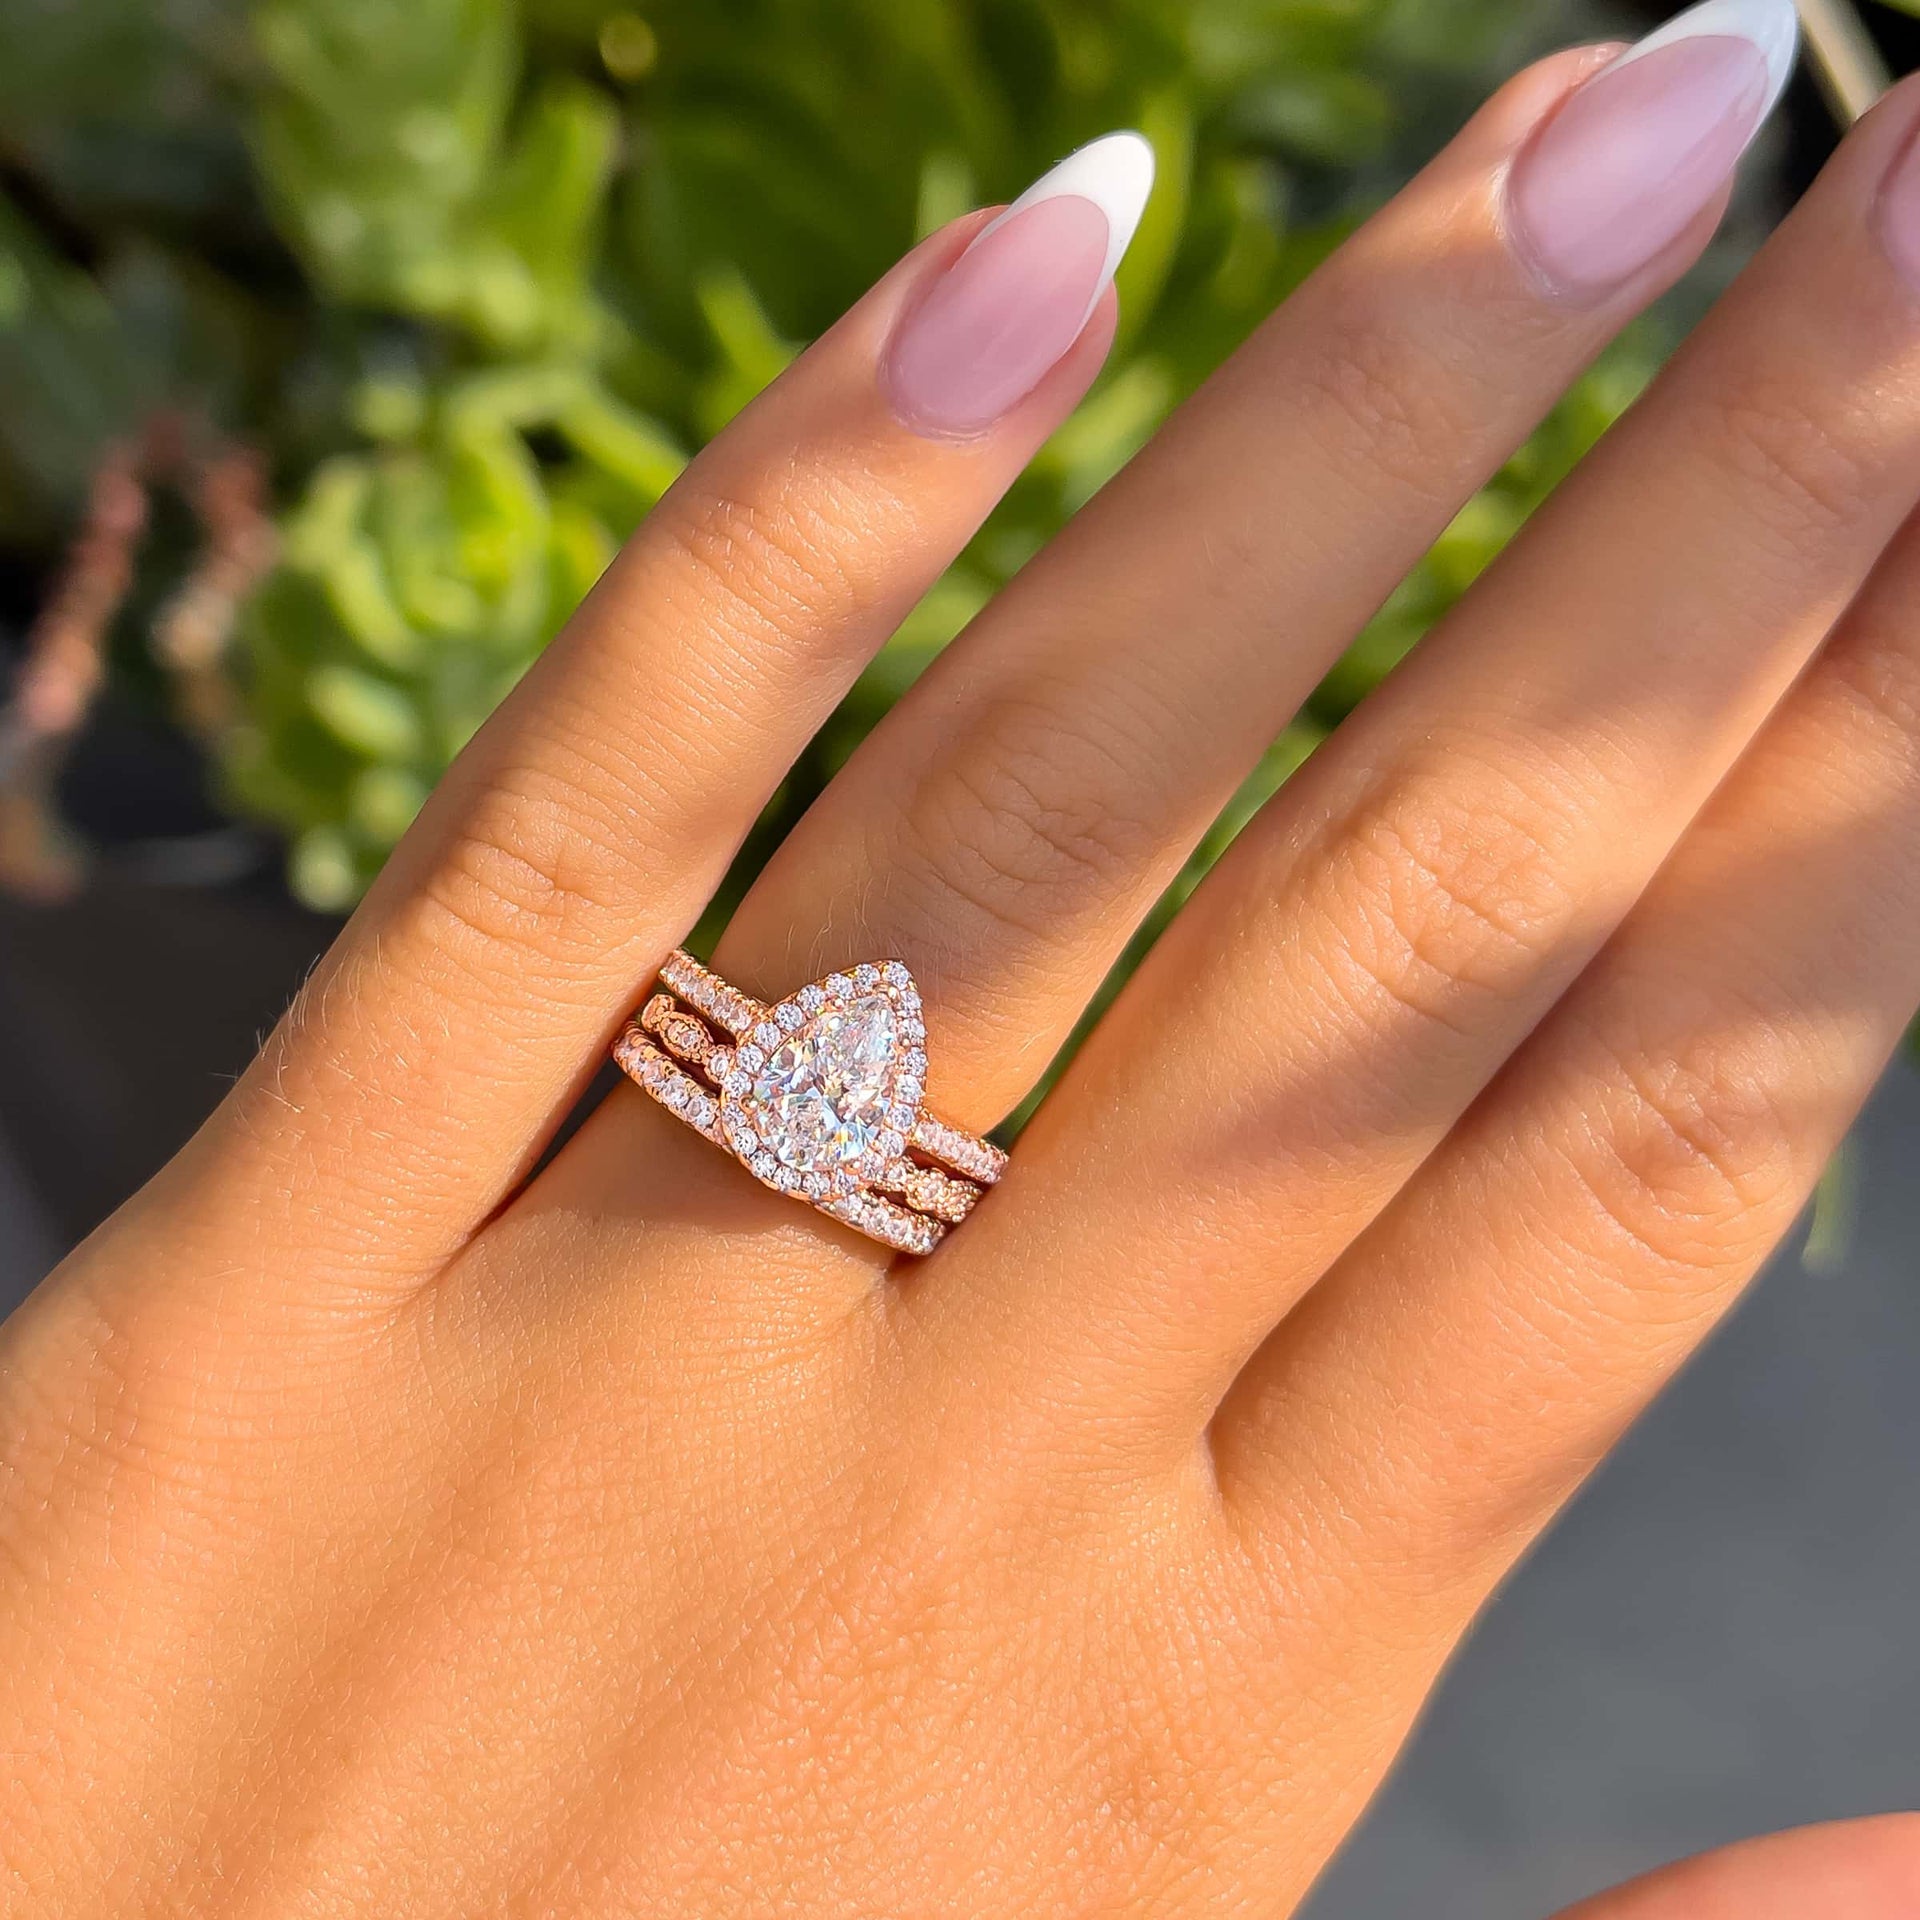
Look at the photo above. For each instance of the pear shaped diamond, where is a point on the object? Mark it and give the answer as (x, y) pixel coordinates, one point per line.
(824, 1083)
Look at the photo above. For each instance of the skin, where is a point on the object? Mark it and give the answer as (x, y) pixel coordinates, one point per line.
(384, 1532)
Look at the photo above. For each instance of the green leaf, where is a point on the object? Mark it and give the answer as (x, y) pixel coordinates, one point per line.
(368, 716)
(542, 249)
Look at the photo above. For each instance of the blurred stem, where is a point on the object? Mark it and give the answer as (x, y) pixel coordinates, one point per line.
(63, 671)
(66, 658)
(1835, 1206)
(228, 489)
(1851, 72)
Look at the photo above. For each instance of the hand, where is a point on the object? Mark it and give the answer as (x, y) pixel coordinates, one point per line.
(387, 1532)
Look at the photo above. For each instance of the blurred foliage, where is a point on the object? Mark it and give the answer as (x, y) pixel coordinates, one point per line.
(479, 276)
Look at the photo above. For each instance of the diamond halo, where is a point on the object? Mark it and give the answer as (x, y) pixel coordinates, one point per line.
(821, 1096)
(825, 1082)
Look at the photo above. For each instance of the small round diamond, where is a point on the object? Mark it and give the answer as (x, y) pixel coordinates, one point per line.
(765, 1034)
(701, 1112)
(900, 1118)
(815, 1186)
(896, 975)
(720, 1063)
(891, 1144)
(787, 1180)
(678, 1095)
(911, 1091)
(913, 1030)
(787, 1017)
(811, 999)
(744, 1139)
(751, 1059)
(866, 978)
(737, 1082)
(765, 1166)
(839, 987)
(917, 1064)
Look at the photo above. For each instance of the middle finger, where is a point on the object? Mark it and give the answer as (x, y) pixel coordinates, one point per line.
(1009, 826)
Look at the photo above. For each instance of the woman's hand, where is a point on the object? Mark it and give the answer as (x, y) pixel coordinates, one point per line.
(384, 1534)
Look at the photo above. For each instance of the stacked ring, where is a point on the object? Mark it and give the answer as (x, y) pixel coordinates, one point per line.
(819, 1096)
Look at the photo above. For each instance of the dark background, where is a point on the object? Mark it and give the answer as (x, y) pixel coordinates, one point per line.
(1717, 1640)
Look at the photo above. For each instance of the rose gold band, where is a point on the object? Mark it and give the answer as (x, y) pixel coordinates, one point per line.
(819, 1096)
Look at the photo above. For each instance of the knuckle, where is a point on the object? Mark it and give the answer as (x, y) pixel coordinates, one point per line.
(534, 868)
(1441, 898)
(1027, 825)
(1379, 386)
(1794, 468)
(1692, 1154)
(782, 564)
(1877, 678)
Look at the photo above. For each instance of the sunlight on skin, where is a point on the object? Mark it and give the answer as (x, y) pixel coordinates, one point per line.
(382, 1532)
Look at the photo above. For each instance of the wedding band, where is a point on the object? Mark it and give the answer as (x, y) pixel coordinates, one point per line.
(819, 1096)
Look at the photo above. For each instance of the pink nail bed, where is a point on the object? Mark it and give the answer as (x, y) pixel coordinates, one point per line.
(1000, 318)
(1898, 213)
(1641, 150)
(1004, 314)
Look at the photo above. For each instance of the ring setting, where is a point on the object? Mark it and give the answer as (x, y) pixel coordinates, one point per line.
(820, 1096)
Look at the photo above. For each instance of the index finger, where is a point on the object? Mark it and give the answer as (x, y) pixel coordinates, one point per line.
(582, 832)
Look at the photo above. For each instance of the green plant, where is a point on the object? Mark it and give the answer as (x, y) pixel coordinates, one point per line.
(482, 275)
(612, 311)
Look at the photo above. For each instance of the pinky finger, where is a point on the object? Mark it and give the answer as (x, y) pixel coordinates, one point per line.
(1596, 1214)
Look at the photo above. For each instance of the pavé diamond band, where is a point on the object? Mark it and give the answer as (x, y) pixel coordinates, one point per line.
(819, 1096)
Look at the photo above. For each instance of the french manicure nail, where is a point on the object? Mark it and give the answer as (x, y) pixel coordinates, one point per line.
(1002, 316)
(1639, 151)
(1898, 213)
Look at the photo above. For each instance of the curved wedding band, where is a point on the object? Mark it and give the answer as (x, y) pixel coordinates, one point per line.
(818, 1096)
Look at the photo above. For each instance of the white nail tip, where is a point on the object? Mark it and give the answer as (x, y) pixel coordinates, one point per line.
(1773, 26)
(1115, 172)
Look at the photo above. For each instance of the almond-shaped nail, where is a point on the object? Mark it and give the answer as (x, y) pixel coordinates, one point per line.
(1897, 213)
(1639, 151)
(1007, 311)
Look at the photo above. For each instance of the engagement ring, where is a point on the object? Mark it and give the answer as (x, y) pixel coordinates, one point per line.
(819, 1096)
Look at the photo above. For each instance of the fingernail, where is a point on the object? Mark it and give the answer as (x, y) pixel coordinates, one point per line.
(1002, 316)
(1632, 158)
(1898, 213)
